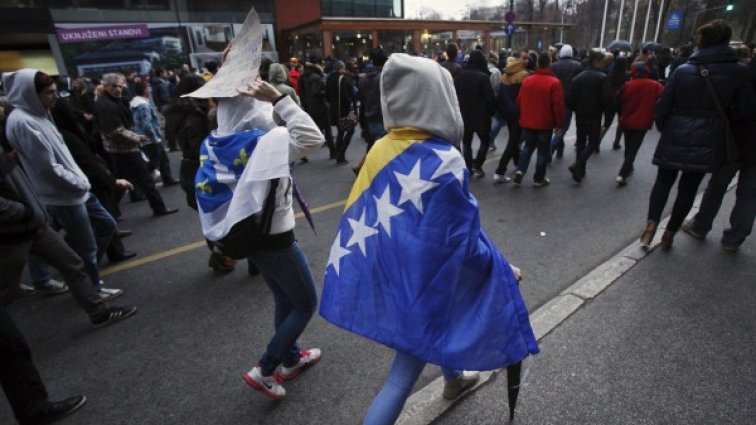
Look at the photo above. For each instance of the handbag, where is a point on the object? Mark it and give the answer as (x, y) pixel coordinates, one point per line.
(731, 153)
(348, 122)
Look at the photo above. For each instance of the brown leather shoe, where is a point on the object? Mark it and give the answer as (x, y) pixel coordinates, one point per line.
(666, 240)
(648, 234)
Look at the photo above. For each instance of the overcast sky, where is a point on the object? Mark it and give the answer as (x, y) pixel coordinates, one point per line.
(449, 9)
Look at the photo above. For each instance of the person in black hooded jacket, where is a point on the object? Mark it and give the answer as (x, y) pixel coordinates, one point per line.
(477, 104)
(693, 141)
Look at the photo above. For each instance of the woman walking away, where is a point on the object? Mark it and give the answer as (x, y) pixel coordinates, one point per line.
(424, 280)
(514, 73)
(638, 98)
(694, 131)
(341, 94)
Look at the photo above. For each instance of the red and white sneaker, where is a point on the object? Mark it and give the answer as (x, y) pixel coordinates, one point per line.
(306, 359)
(265, 384)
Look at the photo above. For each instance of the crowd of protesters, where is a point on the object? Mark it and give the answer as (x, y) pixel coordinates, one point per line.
(73, 147)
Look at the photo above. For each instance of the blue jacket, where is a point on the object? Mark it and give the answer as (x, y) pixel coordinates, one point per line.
(692, 132)
(145, 120)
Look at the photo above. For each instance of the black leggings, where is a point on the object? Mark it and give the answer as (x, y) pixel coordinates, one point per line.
(686, 194)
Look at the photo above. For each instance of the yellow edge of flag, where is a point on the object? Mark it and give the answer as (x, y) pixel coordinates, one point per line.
(383, 152)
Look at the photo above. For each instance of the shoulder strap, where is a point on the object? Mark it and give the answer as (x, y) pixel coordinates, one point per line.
(339, 89)
(705, 74)
(269, 207)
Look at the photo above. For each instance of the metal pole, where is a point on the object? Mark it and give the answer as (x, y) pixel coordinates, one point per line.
(603, 23)
(632, 26)
(658, 22)
(645, 27)
(509, 38)
(619, 19)
(561, 32)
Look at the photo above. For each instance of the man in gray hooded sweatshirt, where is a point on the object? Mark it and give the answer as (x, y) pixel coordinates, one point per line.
(57, 179)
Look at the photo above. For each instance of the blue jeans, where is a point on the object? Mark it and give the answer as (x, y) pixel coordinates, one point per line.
(80, 236)
(102, 224)
(389, 402)
(535, 140)
(287, 274)
(557, 142)
(496, 124)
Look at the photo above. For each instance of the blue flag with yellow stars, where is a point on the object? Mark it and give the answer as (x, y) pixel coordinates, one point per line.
(411, 268)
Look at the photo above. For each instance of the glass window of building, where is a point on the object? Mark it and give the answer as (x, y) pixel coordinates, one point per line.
(363, 8)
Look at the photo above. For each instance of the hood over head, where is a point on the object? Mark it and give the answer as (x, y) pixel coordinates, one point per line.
(277, 74)
(21, 92)
(417, 92)
(478, 61)
(241, 113)
(566, 51)
(514, 72)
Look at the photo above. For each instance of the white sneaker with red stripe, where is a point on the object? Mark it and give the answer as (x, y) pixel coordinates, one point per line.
(306, 359)
(265, 384)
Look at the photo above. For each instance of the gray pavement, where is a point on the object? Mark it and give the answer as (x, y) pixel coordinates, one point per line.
(671, 342)
(179, 360)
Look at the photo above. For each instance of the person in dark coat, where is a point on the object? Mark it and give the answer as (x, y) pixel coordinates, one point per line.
(589, 97)
(342, 98)
(693, 140)
(313, 98)
(506, 100)
(744, 212)
(617, 77)
(450, 64)
(565, 69)
(477, 104)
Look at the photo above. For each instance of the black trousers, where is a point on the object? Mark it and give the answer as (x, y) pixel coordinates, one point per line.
(343, 138)
(485, 140)
(686, 195)
(588, 129)
(633, 141)
(512, 151)
(131, 166)
(19, 377)
(158, 161)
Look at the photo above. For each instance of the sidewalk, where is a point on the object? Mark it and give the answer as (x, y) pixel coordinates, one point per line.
(673, 341)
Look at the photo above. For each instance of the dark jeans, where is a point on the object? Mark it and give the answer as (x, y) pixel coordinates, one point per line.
(287, 274)
(18, 375)
(512, 151)
(50, 247)
(377, 132)
(540, 140)
(633, 141)
(158, 161)
(588, 129)
(343, 138)
(744, 211)
(485, 141)
(686, 195)
(557, 142)
(187, 172)
(131, 166)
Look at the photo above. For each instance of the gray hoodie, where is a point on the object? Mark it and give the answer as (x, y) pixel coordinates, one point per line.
(44, 155)
(418, 92)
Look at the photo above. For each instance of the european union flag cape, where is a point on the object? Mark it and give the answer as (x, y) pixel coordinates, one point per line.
(412, 269)
(232, 181)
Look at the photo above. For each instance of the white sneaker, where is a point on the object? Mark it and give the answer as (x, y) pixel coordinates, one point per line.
(501, 178)
(265, 384)
(107, 294)
(306, 359)
(621, 181)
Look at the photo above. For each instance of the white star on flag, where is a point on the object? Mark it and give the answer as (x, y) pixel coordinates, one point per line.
(451, 162)
(386, 210)
(337, 251)
(413, 187)
(360, 232)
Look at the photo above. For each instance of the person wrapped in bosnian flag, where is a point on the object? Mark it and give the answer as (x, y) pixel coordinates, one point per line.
(410, 266)
(241, 163)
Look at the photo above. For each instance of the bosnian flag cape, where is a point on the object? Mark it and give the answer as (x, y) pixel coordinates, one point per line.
(232, 181)
(412, 269)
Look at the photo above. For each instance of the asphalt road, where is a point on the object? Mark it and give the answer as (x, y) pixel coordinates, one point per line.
(179, 360)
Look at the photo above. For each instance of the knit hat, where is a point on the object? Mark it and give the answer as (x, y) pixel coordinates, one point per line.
(639, 70)
(566, 51)
(42, 81)
(337, 65)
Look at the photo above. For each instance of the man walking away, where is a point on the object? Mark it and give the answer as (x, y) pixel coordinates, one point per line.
(146, 123)
(541, 105)
(589, 96)
(566, 68)
(514, 73)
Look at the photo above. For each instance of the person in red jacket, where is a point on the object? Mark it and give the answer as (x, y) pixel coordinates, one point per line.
(541, 104)
(294, 73)
(638, 98)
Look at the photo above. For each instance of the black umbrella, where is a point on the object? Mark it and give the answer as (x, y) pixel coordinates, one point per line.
(654, 47)
(620, 45)
(513, 386)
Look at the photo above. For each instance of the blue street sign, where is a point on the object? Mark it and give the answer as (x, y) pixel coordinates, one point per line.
(674, 22)
(539, 45)
(510, 29)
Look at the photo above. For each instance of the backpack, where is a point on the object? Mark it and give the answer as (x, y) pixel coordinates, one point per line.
(247, 235)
